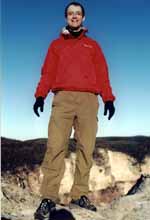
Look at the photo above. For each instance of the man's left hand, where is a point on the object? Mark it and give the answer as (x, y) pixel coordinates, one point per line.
(109, 106)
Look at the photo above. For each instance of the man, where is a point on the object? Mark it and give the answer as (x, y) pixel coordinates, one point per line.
(76, 72)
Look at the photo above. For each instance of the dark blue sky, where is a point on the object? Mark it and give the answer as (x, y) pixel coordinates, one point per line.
(122, 30)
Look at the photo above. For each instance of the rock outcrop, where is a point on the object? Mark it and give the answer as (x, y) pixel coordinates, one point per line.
(119, 179)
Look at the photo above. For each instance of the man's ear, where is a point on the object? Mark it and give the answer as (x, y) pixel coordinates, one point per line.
(83, 19)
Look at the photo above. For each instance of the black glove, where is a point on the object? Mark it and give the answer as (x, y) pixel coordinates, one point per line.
(39, 103)
(109, 106)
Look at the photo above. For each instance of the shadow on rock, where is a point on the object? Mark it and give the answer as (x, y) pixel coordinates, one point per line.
(3, 218)
(61, 214)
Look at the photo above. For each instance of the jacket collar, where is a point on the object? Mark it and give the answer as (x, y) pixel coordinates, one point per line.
(66, 34)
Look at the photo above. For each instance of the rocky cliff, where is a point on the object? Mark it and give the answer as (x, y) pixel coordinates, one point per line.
(119, 179)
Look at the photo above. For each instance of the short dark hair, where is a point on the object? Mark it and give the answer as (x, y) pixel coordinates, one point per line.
(76, 4)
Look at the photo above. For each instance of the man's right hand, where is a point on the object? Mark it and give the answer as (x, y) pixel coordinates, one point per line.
(39, 103)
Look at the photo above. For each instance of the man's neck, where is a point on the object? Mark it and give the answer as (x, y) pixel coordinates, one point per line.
(74, 29)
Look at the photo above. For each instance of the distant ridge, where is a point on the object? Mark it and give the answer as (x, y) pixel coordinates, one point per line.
(17, 153)
(108, 137)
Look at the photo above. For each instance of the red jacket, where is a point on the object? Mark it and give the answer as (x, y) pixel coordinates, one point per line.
(75, 64)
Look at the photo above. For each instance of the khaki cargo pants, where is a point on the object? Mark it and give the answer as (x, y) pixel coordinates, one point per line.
(66, 106)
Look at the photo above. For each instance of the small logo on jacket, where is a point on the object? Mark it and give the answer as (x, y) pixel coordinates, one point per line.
(87, 45)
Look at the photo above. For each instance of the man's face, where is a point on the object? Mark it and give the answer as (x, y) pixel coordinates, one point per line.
(74, 16)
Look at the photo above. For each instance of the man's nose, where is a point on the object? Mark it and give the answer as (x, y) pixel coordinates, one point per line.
(74, 15)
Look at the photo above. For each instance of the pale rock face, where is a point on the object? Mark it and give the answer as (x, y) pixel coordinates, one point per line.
(122, 167)
(145, 166)
(109, 169)
(124, 187)
(35, 179)
(98, 179)
(68, 177)
(1, 195)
